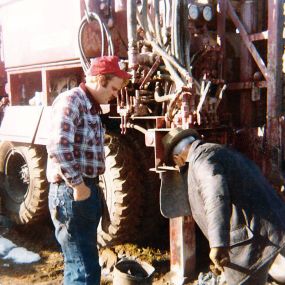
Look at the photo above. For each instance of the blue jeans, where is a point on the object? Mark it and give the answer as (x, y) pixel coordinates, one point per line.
(76, 231)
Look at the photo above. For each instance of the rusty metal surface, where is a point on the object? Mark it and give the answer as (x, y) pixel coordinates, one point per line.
(2, 78)
(258, 36)
(38, 78)
(274, 89)
(246, 85)
(216, 83)
(221, 33)
(244, 35)
(249, 20)
(182, 246)
(274, 84)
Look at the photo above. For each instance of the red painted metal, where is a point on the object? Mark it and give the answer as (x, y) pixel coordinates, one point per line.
(274, 82)
(36, 78)
(121, 17)
(282, 136)
(221, 30)
(246, 85)
(244, 35)
(182, 247)
(274, 88)
(259, 36)
(37, 66)
(150, 72)
(2, 78)
(248, 18)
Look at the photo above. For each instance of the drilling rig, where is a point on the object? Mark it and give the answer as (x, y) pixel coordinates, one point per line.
(211, 65)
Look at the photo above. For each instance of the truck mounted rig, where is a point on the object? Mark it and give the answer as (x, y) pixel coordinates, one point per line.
(211, 65)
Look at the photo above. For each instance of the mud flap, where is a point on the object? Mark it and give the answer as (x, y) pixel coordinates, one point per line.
(173, 195)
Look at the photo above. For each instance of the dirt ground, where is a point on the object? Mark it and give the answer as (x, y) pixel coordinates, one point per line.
(40, 239)
(49, 270)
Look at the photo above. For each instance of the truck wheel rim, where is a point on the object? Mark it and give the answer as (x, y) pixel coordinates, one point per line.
(16, 185)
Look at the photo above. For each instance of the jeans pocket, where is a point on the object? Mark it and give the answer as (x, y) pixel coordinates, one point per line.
(89, 209)
(60, 204)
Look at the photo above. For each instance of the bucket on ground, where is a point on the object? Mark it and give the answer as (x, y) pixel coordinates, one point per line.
(132, 272)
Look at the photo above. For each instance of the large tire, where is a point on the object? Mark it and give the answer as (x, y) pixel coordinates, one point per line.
(154, 225)
(122, 190)
(24, 187)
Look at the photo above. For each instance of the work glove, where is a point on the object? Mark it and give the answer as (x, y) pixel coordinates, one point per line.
(220, 257)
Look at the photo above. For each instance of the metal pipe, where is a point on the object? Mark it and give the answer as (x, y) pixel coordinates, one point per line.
(274, 55)
(179, 39)
(204, 92)
(221, 36)
(164, 98)
(274, 80)
(146, 21)
(174, 29)
(186, 41)
(259, 61)
(132, 32)
(164, 23)
(156, 22)
(170, 59)
(144, 15)
(179, 82)
(249, 19)
(136, 127)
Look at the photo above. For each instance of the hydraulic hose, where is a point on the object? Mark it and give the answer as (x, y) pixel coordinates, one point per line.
(92, 16)
(186, 37)
(156, 23)
(166, 57)
(132, 33)
(176, 48)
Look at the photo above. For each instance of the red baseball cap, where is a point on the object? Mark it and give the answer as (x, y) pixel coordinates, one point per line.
(107, 65)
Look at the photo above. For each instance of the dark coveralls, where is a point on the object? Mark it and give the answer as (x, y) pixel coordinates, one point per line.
(234, 206)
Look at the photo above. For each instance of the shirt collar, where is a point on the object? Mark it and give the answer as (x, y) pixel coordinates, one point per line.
(95, 106)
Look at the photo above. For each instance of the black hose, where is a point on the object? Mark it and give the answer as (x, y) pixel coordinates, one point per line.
(89, 17)
(186, 36)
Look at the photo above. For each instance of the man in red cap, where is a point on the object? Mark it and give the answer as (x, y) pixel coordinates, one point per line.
(75, 160)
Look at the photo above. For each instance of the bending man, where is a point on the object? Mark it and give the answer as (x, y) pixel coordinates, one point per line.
(235, 207)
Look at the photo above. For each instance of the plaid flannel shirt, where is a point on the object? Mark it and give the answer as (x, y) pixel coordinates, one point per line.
(76, 143)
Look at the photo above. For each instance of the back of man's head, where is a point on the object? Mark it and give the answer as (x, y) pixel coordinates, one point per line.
(177, 139)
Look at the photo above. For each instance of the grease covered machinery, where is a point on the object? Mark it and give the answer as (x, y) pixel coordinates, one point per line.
(212, 65)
